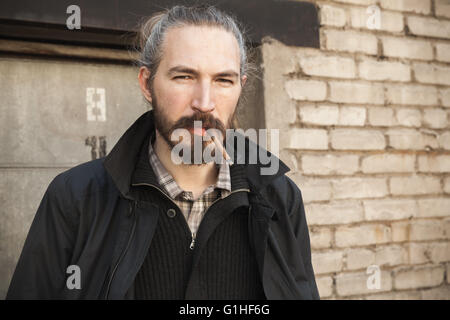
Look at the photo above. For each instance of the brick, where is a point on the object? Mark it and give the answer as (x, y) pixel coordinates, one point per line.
(390, 209)
(379, 163)
(351, 41)
(419, 277)
(414, 185)
(312, 189)
(434, 163)
(332, 16)
(444, 140)
(401, 295)
(352, 116)
(356, 92)
(319, 237)
(417, 6)
(411, 95)
(418, 230)
(309, 90)
(442, 8)
(407, 48)
(329, 164)
(356, 139)
(355, 283)
(289, 159)
(360, 2)
(391, 255)
(447, 185)
(429, 27)
(431, 73)
(409, 117)
(418, 253)
(389, 21)
(410, 139)
(314, 139)
(441, 293)
(328, 66)
(325, 286)
(446, 223)
(445, 97)
(371, 69)
(357, 188)
(359, 258)
(443, 52)
(381, 116)
(334, 213)
(326, 262)
(448, 272)
(440, 252)
(362, 235)
(435, 207)
(320, 115)
(435, 118)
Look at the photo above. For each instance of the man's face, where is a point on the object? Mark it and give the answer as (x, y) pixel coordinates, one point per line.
(198, 79)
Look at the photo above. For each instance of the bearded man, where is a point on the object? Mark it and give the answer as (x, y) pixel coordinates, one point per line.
(139, 225)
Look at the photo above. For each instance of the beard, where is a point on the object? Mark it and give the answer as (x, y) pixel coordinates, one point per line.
(166, 127)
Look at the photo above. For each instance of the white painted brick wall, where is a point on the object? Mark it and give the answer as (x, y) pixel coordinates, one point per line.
(409, 117)
(351, 41)
(355, 283)
(414, 185)
(401, 47)
(442, 8)
(356, 92)
(330, 164)
(366, 132)
(390, 209)
(334, 213)
(362, 235)
(418, 277)
(371, 69)
(429, 27)
(389, 21)
(357, 188)
(356, 139)
(385, 162)
(416, 6)
(314, 139)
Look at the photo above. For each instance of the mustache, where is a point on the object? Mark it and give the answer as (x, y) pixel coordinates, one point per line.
(208, 122)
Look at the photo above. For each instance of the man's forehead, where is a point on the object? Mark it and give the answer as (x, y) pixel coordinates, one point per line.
(201, 47)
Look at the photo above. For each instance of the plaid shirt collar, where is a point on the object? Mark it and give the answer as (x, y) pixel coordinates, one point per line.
(172, 188)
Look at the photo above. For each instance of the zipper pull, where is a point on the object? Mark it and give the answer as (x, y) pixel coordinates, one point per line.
(192, 242)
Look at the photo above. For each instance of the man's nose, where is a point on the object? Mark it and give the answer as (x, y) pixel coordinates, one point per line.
(203, 100)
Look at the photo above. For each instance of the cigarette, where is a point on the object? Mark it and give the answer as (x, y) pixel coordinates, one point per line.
(220, 147)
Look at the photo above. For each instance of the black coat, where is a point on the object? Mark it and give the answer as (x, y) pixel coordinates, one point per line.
(89, 217)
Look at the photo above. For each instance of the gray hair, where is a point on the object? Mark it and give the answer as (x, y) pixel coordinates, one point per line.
(153, 31)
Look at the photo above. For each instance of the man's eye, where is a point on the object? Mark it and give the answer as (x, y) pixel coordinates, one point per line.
(183, 77)
(225, 80)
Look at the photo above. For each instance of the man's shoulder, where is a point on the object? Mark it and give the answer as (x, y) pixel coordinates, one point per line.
(84, 179)
(282, 193)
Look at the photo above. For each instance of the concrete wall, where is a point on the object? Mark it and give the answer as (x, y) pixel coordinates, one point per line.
(364, 126)
(44, 106)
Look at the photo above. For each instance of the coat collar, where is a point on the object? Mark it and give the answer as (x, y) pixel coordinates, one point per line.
(123, 159)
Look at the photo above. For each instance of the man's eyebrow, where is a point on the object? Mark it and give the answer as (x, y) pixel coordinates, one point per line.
(184, 69)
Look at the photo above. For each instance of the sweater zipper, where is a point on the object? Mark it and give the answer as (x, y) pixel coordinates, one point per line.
(193, 234)
(126, 249)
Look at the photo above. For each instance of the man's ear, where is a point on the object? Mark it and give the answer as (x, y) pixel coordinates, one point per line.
(243, 80)
(143, 76)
